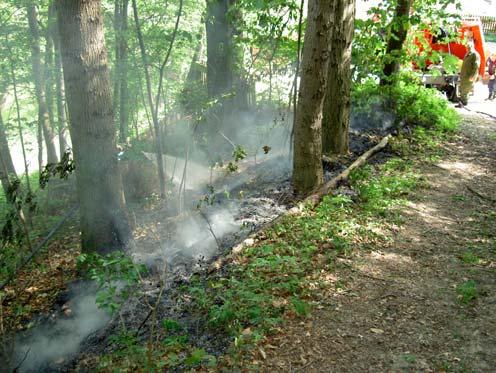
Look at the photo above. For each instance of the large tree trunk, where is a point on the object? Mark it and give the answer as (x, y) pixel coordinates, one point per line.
(336, 122)
(307, 161)
(399, 31)
(39, 82)
(104, 225)
(219, 49)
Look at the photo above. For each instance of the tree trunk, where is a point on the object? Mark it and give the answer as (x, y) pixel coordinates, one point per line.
(336, 122)
(156, 126)
(6, 164)
(399, 31)
(307, 161)
(19, 124)
(104, 224)
(124, 93)
(60, 89)
(219, 49)
(117, 49)
(49, 64)
(39, 82)
(59, 82)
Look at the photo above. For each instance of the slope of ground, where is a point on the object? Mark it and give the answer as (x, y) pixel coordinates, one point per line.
(423, 302)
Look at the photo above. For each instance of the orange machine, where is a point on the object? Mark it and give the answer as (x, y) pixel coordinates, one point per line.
(449, 83)
(471, 28)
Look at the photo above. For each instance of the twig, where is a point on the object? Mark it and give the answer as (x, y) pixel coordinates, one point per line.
(210, 228)
(229, 141)
(16, 369)
(487, 198)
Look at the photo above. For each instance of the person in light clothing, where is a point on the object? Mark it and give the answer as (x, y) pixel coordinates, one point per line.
(491, 71)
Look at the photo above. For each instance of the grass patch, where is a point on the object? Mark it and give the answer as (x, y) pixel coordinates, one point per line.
(469, 257)
(467, 292)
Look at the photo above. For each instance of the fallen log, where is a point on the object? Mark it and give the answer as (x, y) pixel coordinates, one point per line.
(314, 198)
(310, 201)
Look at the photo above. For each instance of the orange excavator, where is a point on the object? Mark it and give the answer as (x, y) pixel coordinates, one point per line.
(470, 29)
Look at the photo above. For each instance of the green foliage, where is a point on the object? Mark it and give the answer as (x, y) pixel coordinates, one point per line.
(62, 169)
(469, 257)
(467, 292)
(385, 188)
(410, 103)
(239, 153)
(371, 37)
(116, 275)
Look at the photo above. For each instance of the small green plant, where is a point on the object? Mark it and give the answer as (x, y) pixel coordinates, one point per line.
(116, 275)
(458, 198)
(200, 356)
(301, 308)
(470, 258)
(467, 292)
(409, 358)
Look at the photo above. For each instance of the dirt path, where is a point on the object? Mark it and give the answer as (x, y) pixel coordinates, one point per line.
(426, 302)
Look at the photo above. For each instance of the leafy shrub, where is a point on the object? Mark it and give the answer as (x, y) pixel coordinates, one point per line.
(407, 102)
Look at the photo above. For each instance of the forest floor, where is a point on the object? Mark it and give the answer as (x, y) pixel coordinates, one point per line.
(425, 300)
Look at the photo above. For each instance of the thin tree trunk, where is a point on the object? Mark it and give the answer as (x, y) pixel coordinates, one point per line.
(49, 64)
(307, 160)
(399, 31)
(59, 87)
(61, 115)
(297, 72)
(336, 122)
(104, 224)
(124, 93)
(39, 82)
(156, 126)
(117, 63)
(6, 158)
(19, 125)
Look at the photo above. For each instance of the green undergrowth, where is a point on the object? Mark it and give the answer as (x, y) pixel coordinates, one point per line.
(283, 276)
(407, 103)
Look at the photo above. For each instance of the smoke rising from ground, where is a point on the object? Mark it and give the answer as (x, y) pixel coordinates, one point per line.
(52, 342)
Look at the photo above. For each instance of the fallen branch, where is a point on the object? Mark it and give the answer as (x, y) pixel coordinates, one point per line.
(487, 198)
(317, 196)
(310, 201)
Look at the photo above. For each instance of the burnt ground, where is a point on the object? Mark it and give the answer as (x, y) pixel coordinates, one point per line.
(423, 302)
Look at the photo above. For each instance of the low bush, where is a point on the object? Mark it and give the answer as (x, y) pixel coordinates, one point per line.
(406, 103)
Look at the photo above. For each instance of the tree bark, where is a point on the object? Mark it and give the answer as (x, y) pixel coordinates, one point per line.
(307, 159)
(49, 64)
(219, 49)
(39, 82)
(6, 165)
(60, 89)
(19, 124)
(336, 121)
(104, 224)
(117, 50)
(399, 31)
(156, 125)
(124, 92)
